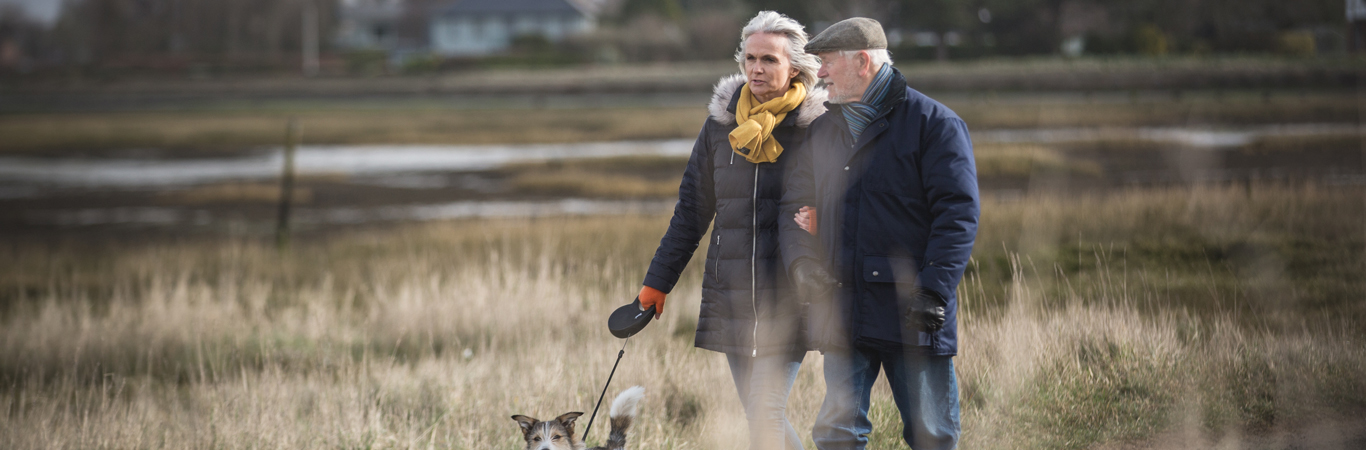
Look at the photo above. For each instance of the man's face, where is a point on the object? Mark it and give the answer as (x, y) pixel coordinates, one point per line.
(841, 75)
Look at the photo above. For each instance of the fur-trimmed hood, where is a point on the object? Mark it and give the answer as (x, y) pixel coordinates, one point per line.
(725, 90)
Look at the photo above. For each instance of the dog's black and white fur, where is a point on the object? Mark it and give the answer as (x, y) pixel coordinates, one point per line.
(559, 434)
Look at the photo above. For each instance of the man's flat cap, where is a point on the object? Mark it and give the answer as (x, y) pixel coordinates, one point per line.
(855, 33)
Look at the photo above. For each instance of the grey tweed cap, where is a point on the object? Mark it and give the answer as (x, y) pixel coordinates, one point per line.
(854, 33)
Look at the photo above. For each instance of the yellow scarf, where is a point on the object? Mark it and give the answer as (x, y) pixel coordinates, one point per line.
(753, 134)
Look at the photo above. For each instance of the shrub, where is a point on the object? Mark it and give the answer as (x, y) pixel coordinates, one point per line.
(1150, 40)
(1296, 43)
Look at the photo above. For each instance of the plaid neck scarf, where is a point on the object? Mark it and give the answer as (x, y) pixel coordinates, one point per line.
(861, 113)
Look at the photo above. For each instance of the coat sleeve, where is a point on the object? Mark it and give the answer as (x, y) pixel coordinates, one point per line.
(950, 176)
(798, 191)
(692, 215)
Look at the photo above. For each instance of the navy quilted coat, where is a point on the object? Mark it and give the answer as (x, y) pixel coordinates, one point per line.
(747, 303)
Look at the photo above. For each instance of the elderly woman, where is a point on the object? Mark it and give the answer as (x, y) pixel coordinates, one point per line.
(733, 182)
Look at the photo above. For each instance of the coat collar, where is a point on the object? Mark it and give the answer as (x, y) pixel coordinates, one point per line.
(895, 98)
(725, 95)
(896, 95)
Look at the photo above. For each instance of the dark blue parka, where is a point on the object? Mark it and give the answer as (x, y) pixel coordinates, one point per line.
(897, 211)
(747, 302)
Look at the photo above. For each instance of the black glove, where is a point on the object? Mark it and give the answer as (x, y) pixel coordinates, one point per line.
(927, 311)
(811, 279)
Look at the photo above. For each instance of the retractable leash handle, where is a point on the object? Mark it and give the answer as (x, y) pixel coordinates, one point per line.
(625, 322)
(628, 320)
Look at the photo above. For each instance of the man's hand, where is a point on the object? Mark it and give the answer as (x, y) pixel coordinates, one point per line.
(806, 219)
(927, 311)
(652, 297)
(811, 279)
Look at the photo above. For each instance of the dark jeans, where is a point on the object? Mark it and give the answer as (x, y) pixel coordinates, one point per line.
(763, 383)
(924, 388)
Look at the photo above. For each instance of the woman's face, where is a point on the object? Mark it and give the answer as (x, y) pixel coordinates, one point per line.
(767, 67)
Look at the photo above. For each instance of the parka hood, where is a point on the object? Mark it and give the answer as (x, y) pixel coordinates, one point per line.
(724, 92)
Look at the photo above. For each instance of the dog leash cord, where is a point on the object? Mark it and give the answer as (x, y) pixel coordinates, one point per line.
(604, 390)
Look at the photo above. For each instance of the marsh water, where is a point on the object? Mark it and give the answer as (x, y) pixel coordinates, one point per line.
(386, 183)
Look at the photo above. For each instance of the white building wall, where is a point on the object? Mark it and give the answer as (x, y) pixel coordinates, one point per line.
(484, 35)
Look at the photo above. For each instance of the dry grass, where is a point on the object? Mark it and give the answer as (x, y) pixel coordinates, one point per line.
(1083, 373)
(234, 193)
(431, 336)
(984, 112)
(1274, 257)
(616, 177)
(658, 177)
(191, 132)
(586, 184)
(1025, 160)
(198, 131)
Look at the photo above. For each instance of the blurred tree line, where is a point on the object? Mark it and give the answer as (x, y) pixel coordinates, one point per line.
(973, 28)
(168, 34)
(265, 34)
(962, 29)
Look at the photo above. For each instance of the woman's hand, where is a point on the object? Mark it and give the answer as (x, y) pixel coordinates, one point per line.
(652, 297)
(806, 218)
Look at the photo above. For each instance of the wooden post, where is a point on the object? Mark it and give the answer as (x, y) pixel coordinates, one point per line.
(286, 186)
(1361, 126)
(310, 39)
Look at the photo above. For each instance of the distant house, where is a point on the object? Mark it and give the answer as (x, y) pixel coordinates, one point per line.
(369, 24)
(1356, 26)
(483, 27)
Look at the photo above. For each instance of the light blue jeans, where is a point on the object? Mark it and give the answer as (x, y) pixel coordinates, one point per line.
(763, 383)
(924, 388)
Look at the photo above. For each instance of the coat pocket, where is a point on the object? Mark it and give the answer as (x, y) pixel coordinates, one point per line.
(891, 281)
(890, 269)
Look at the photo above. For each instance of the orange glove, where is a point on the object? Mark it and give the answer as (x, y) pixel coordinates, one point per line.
(652, 297)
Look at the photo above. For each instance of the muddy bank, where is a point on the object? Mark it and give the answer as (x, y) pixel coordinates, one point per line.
(345, 186)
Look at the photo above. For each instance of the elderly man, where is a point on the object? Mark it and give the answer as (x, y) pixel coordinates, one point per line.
(892, 174)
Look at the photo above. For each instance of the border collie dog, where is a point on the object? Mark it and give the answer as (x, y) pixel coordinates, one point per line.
(559, 434)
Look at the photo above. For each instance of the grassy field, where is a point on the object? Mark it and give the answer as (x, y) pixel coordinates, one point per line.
(1192, 317)
(210, 132)
(206, 131)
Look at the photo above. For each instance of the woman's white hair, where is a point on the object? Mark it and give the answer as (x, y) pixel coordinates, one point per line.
(775, 23)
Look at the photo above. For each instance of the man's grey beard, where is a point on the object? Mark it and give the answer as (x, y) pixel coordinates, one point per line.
(833, 99)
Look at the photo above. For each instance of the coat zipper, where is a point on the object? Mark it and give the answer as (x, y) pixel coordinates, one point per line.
(716, 262)
(753, 256)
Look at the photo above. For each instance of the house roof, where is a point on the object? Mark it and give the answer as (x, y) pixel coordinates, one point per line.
(508, 7)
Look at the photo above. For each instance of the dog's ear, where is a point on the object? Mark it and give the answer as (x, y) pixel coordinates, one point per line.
(568, 420)
(525, 422)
